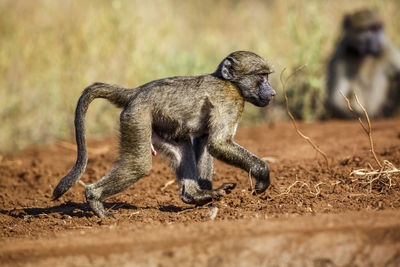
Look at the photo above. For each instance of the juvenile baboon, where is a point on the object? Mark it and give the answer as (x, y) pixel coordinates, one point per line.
(188, 119)
(367, 62)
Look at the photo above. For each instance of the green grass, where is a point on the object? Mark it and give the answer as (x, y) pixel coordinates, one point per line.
(51, 50)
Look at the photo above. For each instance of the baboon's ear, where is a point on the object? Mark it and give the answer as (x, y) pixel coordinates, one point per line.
(346, 22)
(227, 69)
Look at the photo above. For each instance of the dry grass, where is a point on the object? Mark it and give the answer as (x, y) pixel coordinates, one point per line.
(386, 172)
(317, 189)
(51, 50)
(381, 179)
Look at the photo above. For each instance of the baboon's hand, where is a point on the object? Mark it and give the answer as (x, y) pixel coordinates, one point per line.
(261, 186)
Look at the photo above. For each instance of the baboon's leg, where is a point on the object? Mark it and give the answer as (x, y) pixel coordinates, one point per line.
(181, 155)
(232, 153)
(134, 162)
(187, 174)
(204, 162)
(183, 161)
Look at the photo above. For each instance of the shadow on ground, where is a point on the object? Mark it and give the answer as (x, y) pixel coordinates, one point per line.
(72, 209)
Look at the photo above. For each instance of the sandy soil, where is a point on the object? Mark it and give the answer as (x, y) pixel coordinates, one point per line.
(310, 215)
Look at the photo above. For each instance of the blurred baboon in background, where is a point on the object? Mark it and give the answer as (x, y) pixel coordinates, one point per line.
(365, 62)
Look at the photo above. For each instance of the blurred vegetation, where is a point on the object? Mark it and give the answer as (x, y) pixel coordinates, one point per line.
(51, 50)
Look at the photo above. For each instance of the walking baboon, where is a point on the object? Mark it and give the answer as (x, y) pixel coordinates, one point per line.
(168, 113)
(366, 62)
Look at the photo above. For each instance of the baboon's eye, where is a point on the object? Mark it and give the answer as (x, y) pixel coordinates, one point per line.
(263, 75)
(375, 27)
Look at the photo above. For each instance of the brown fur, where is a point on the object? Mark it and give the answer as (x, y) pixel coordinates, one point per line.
(168, 114)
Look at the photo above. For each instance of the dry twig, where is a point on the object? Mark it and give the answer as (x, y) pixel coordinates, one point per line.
(284, 82)
(170, 182)
(287, 191)
(93, 151)
(269, 159)
(133, 213)
(252, 190)
(371, 175)
(316, 193)
(368, 130)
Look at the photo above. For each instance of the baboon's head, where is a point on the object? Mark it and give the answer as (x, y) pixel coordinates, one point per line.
(364, 32)
(249, 72)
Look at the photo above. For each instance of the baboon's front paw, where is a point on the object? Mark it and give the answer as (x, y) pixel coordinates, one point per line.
(261, 186)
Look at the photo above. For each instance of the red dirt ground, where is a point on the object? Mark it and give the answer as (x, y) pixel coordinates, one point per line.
(310, 215)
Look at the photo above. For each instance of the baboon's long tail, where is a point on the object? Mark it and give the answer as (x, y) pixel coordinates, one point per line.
(115, 94)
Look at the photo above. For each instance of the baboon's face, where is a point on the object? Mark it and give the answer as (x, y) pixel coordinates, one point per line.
(256, 89)
(368, 40)
(364, 33)
(250, 73)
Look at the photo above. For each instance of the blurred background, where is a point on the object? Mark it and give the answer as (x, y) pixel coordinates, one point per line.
(51, 50)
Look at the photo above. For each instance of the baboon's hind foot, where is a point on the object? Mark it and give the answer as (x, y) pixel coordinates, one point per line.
(98, 208)
(202, 197)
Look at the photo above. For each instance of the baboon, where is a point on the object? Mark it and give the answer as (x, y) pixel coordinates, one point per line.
(188, 119)
(365, 62)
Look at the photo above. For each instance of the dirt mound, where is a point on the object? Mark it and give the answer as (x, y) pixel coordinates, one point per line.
(303, 199)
